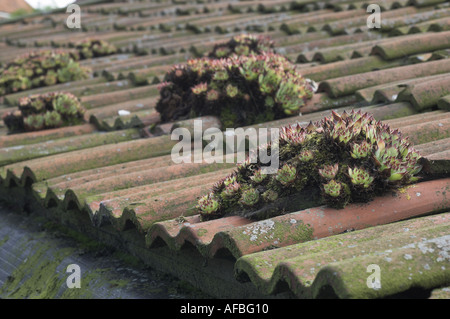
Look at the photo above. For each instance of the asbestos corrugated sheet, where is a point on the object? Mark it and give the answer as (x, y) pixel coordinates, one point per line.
(113, 180)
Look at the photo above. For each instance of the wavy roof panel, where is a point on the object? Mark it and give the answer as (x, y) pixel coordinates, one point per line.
(113, 177)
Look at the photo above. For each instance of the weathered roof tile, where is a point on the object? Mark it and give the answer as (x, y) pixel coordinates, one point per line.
(349, 84)
(407, 253)
(309, 224)
(424, 42)
(122, 183)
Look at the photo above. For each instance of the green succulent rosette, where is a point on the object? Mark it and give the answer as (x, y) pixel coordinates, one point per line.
(45, 111)
(336, 161)
(240, 90)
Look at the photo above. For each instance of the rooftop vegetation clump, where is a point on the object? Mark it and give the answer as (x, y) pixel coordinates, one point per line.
(38, 69)
(339, 160)
(45, 111)
(240, 90)
(243, 44)
(93, 48)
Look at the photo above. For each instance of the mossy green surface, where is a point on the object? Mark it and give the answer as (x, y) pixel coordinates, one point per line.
(410, 254)
(36, 278)
(28, 152)
(4, 240)
(48, 247)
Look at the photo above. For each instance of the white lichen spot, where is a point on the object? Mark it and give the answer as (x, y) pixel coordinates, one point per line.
(262, 228)
(407, 256)
(409, 246)
(441, 244)
(418, 194)
(13, 148)
(424, 248)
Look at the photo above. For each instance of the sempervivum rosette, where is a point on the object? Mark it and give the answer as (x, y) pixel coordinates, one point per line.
(335, 161)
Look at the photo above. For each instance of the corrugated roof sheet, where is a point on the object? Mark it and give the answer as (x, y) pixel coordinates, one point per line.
(113, 178)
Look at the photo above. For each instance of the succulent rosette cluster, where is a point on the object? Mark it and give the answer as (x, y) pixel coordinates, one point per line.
(342, 159)
(38, 69)
(93, 48)
(243, 44)
(50, 110)
(240, 90)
